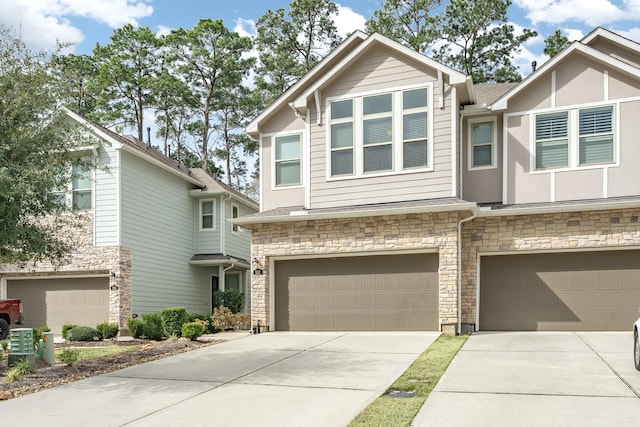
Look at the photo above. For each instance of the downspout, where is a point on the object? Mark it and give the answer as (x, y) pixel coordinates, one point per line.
(223, 230)
(474, 213)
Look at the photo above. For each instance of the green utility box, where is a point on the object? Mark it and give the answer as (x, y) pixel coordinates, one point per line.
(21, 344)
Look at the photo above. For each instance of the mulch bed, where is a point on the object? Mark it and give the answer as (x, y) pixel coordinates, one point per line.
(53, 376)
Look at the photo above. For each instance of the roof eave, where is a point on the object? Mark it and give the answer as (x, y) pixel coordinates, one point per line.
(576, 207)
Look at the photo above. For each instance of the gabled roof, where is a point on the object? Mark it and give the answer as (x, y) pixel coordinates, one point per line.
(215, 186)
(354, 39)
(600, 32)
(575, 47)
(486, 93)
(455, 77)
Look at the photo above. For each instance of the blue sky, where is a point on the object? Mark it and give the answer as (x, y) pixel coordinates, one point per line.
(87, 22)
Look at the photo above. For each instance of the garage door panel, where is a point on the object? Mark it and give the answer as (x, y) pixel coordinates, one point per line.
(562, 291)
(398, 292)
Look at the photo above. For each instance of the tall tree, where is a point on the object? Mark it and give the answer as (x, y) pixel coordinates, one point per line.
(126, 69)
(555, 43)
(75, 78)
(212, 61)
(290, 45)
(410, 22)
(479, 42)
(35, 152)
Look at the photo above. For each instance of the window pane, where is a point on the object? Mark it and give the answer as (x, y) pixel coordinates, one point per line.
(81, 177)
(207, 221)
(415, 154)
(596, 120)
(596, 149)
(482, 155)
(377, 158)
(414, 98)
(341, 162)
(288, 147)
(482, 133)
(377, 130)
(552, 125)
(342, 135)
(414, 125)
(550, 154)
(288, 172)
(232, 281)
(82, 200)
(234, 212)
(207, 208)
(342, 109)
(377, 104)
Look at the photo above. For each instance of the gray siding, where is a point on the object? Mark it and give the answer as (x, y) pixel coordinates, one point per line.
(237, 245)
(482, 185)
(206, 241)
(157, 225)
(106, 197)
(380, 70)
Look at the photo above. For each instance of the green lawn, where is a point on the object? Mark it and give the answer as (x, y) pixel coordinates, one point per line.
(421, 377)
(95, 352)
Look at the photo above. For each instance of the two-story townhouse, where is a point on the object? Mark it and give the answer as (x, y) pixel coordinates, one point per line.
(398, 195)
(152, 234)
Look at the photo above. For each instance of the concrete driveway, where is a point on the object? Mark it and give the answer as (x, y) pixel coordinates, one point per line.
(538, 379)
(271, 379)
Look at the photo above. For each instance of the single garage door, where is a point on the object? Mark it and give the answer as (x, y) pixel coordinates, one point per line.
(55, 302)
(368, 293)
(582, 291)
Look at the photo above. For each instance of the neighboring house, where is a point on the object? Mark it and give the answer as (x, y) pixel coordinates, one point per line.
(154, 234)
(398, 195)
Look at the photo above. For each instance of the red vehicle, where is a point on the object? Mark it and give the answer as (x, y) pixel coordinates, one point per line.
(10, 312)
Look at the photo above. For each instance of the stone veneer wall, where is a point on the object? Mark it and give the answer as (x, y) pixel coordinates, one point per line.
(547, 232)
(410, 232)
(87, 259)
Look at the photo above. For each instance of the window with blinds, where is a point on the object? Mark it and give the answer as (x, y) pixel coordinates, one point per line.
(482, 142)
(288, 161)
(377, 129)
(596, 135)
(552, 140)
(414, 128)
(342, 137)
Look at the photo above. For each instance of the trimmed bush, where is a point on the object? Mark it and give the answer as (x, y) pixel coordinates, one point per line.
(206, 322)
(231, 298)
(108, 330)
(83, 333)
(152, 326)
(136, 327)
(69, 356)
(66, 328)
(172, 320)
(192, 330)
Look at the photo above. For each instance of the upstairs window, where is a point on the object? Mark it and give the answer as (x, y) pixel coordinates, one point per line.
(552, 140)
(596, 135)
(482, 143)
(81, 187)
(288, 160)
(235, 213)
(379, 133)
(207, 215)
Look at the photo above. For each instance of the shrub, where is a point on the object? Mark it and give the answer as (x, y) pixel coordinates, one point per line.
(223, 318)
(20, 368)
(206, 322)
(69, 356)
(152, 326)
(37, 335)
(172, 320)
(243, 321)
(136, 327)
(192, 330)
(66, 328)
(231, 298)
(4, 349)
(83, 333)
(108, 330)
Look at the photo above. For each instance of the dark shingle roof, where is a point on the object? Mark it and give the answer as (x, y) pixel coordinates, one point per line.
(487, 93)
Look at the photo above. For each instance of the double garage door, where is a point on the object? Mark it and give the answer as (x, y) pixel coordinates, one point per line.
(368, 293)
(581, 291)
(55, 302)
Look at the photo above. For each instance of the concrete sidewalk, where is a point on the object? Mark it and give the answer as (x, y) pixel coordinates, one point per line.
(538, 379)
(271, 379)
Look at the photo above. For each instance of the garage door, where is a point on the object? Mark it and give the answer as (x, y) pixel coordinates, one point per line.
(585, 291)
(54, 302)
(372, 293)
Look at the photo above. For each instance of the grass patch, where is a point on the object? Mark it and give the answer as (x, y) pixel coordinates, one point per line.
(421, 377)
(95, 352)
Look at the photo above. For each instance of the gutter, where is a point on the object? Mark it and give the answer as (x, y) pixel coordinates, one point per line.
(474, 214)
(559, 208)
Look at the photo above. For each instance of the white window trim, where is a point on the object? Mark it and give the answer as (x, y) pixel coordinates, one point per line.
(235, 226)
(213, 214)
(398, 142)
(69, 191)
(574, 138)
(494, 143)
(303, 163)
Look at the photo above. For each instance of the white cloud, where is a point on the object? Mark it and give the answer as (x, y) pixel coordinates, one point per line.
(41, 22)
(573, 34)
(245, 27)
(347, 21)
(593, 12)
(163, 30)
